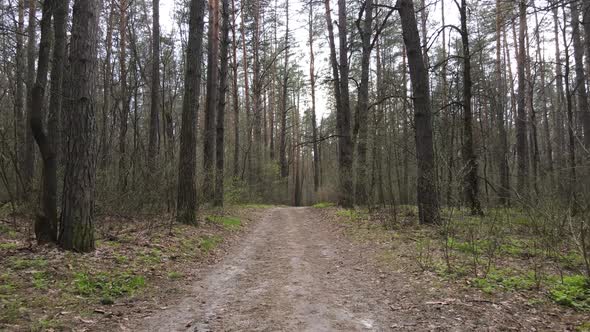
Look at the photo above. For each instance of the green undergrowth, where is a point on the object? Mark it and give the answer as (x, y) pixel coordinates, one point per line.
(256, 206)
(230, 223)
(209, 242)
(322, 205)
(107, 286)
(504, 251)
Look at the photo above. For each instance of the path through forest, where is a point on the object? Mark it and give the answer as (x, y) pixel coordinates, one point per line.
(297, 272)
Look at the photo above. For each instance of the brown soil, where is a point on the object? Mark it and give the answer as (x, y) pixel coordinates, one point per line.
(299, 271)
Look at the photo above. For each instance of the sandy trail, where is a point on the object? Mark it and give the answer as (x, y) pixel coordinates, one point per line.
(297, 271)
(289, 274)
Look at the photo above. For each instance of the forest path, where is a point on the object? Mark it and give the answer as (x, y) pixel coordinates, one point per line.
(292, 272)
(297, 269)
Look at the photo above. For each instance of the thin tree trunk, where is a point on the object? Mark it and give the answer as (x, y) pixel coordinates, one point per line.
(345, 145)
(123, 171)
(187, 191)
(154, 128)
(107, 77)
(521, 126)
(219, 160)
(282, 139)
(428, 206)
(29, 157)
(314, 130)
(211, 102)
(20, 128)
(46, 221)
(502, 149)
(235, 98)
(362, 112)
(471, 177)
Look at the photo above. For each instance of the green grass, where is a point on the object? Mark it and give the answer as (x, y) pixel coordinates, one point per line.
(152, 257)
(322, 205)
(256, 206)
(8, 246)
(107, 286)
(231, 223)
(40, 280)
(11, 310)
(208, 243)
(175, 275)
(24, 263)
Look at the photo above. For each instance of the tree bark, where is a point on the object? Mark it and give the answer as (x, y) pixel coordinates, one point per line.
(77, 219)
(428, 206)
(314, 129)
(521, 126)
(187, 191)
(46, 221)
(345, 145)
(362, 113)
(502, 149)
(219, 160)
(211, 102)
(580, 88)
(471, 177)
(29, 157)
(154, 129)
(124, 95)
(283, 134)
(235, 97)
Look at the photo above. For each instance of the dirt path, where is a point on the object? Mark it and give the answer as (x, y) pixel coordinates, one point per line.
(297, 272)
(288, 275)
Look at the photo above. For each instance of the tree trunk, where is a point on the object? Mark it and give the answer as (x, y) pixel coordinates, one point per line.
(428, 207)
(345, 145)
(77, 219)
(502, 149)
(314, 129)
(29, 157)
(362, 111)
(211, 102)
(124, 95)
(471, 177)
(219, 160)
(235, 97)
(521, 126)
(20, 128)
(580, 88)
(283, 134)
(107, 77)
(46, 221)
(187, 191)
(154, 129)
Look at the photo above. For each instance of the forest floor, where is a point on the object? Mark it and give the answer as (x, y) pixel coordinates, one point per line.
(279, 269)
(307, 269)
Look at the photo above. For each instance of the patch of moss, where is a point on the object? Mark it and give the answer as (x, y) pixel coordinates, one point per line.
(175, 275)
